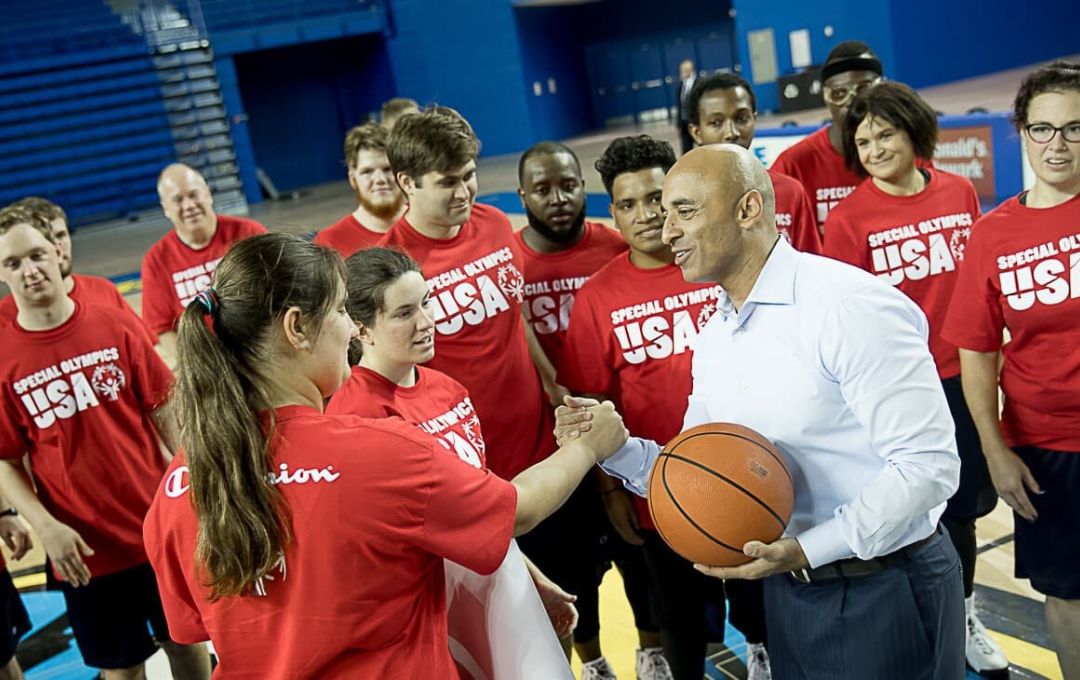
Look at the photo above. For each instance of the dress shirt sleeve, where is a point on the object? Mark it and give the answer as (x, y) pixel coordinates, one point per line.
(874, 345)
(633, 463)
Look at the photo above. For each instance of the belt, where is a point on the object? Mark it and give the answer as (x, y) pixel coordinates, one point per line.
(856, 568)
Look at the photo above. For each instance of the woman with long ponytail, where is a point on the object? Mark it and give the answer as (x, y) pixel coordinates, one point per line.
(305, 545)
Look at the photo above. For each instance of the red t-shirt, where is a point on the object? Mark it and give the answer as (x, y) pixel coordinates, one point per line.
(630, 340)
(795, 213)
(347, 236)
(436, 404)
(821, 170)
(915, 243)
(89, 290)
(173, 273)
(476, 293)
(1022, 272)
(551, 281)
(360, 592)
(78, 399)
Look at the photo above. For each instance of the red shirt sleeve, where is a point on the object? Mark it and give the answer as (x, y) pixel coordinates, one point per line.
(587, 356)
(153, 379)
(185, 622)
(158, 299)
(469, 515)
(843, 241)
(12, 442)
(804, 231)
(974, 321)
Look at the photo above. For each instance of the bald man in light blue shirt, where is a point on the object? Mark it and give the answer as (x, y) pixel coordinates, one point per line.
(833, 367)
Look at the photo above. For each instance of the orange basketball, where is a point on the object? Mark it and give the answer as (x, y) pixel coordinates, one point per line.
(715, 487)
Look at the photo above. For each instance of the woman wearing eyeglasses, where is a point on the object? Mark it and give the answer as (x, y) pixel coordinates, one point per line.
(909, 226)
(1021, 272)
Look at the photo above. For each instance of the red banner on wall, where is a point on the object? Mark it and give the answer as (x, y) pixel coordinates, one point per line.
(969, 152)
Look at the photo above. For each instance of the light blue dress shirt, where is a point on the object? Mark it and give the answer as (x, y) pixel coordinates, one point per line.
(831, 365)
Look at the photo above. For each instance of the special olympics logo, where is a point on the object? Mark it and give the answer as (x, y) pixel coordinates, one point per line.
(512, 282)
(472, 433)
(707, 310)
(958, 243)
(108, 380)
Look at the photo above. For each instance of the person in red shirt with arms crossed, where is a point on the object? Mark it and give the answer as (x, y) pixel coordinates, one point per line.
(909, 226)
(561, 250)
(390, 303)
(91, 290)
(179, 265)
(305, 545)
(1016, 276)
(85, 397)
(630, 339)
(723, 110)
(818, 160)
(473, 268)
(379, 198)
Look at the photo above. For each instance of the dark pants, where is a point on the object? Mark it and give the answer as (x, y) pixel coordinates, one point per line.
(685, 140)
(975, 497)
(682, 595)
(904, 622)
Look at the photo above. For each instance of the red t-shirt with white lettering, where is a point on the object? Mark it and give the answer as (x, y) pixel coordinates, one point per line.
(630, 340)
(436, 404)
(820, 168)
(795, 213)
(360, 592)
(78, 399)
(1022, 272)
(173, 273)
(347, 236)
(89, 290)
(915, 243)
(476, 293)
(552, 280)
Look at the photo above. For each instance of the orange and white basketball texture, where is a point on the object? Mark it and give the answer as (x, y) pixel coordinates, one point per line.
(714, 488)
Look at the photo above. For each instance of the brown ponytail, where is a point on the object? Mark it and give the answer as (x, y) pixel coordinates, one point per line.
(225, 411)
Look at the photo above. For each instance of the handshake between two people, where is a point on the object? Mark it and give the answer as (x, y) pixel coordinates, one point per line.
(595, 424)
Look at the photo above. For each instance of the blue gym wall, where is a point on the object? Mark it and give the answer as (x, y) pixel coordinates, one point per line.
(295, 74)
(850, 20)
(964, 38)
(301, 100)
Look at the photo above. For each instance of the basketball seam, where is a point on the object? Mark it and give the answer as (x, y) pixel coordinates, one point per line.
(776, 516)
(783, 465)
(675, 502)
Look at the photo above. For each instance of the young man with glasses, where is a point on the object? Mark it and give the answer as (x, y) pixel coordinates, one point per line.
(818, 160)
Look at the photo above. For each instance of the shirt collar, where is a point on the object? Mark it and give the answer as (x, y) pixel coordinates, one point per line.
(775, 284)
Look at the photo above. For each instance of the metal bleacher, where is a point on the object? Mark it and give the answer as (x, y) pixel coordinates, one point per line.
(96, 98)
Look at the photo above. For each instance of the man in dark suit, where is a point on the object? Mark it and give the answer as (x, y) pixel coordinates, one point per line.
(687, 77)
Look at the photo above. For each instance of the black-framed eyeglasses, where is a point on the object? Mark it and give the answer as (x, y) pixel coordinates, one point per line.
(1043, 133)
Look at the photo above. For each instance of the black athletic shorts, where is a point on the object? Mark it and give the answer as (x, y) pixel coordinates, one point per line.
(976, 496)
(1048, 549)
(116, 618)
(14, 620)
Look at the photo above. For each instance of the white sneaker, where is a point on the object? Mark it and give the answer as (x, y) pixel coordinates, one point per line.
(757, 663)
(599, 669)
(651, 664)
(982, 652)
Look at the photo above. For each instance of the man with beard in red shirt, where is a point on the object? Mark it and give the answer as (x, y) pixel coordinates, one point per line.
(380, 203)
